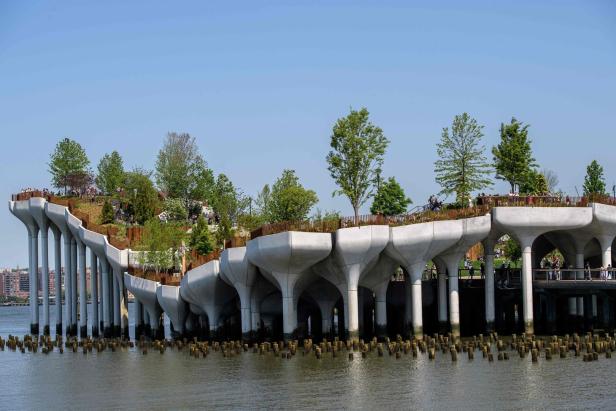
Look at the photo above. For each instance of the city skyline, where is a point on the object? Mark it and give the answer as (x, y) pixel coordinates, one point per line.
(103, 87)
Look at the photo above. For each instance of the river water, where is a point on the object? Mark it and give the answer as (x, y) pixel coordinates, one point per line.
(175, 380)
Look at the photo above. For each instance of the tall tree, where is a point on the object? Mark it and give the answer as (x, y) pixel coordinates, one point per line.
(143, 203)
(462, 167)
(594, 182)
(68, 160)
(356, 156)
(513, 156)
(289, 200)
(535, 183)
(200, 238)
(390, 199)
(551, 179)
(227, 200)
(110, 173)
(179, 167)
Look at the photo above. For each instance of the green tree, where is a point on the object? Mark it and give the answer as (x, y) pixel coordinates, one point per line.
(512, 250)
(68, 160)
(201, 238)
(390, 199)
(535, 183)
(180, 169)
(107, 213)
(462, 167)
(110, 173)
(356, 157)
(289, 200)
(175, 209)
(594, 181)
(141, 195)
(227, 200)
(159, 244)
(513, 156)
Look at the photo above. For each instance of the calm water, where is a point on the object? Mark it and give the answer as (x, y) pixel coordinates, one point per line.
(176, 380)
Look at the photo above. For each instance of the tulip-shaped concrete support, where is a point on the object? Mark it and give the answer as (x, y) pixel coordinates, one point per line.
(94, 291)
(21, 210)
(57, 247)
(526, 224)
(174, 306)
(240, 274)
(288, 257)
(325, 295)
(73, 293)
(138, 310)
(204, 288)
(260, 289)
(488, 253)
(413, 246)
(146, 292)
(474, 230)
(37, 210)
(355, 251)
(377, 279)
(443, 313)
(57, 214)
(118, 260)
(74, 225)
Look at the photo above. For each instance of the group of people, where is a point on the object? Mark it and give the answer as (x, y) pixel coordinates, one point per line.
(434, 204)
(605, 273)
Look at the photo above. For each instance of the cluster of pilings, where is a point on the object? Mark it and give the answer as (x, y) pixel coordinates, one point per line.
(589, 347)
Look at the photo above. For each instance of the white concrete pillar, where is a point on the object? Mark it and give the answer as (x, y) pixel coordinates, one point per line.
(579, 265)
(380, 308)
(606, 249)
(441, 270)
(99, 279)
(244, 294)
(94, 291)
(58, 277)
(32, 279)
(123, 296)
(454, 296)
(289, 316)
(83, 292)
(67, 284)
(138, 307)
(489, 289)
(572, 306)
(106, 302)
(416, 271)
(45, 276)
(580, 306)
(527, 286)
(117, 323)
(74, 286)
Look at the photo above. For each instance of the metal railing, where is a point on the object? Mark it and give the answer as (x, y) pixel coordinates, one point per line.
(574, 274)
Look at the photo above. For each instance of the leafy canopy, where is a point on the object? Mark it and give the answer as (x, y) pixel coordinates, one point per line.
(201, 239)
(356, 156)
(181, 172)
(390, 199)
(67, 161)
(110, 173)
(142, 197)
(513, 157)
(289, 200)
(462, 167)
(594, 181)
(535, 183)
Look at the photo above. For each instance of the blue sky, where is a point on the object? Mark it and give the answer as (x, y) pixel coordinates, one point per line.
(260, 84)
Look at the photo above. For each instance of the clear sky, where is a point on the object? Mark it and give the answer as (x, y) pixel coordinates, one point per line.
(260, 84)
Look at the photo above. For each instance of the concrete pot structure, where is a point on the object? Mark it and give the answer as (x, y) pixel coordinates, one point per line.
(326, 296)
(412, 246)
(528, 223)
(174, 306)
(145, 291)
(474, 230)
(238, 272)
(204, 288)
(288, 257)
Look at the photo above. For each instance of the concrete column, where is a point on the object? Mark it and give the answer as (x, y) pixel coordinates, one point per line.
(147, 327)
(244, 294)
(138, 318)
(442, 300)
(32, 275)
(123, 296)
(606, 249)
(579, 264)
(489, 289)
(45, 277)
(416, 271)
(106, 302)
(74, 287)
(527, 286)
(94, 292)
(380, 308)
(454, 297)
(67, 284)
(116, 307)
(83, 292)
(111, 306)
(58, 277)
(580, 307)
(289, 317)
(408, 306)
(353, 303)
(99, 279)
